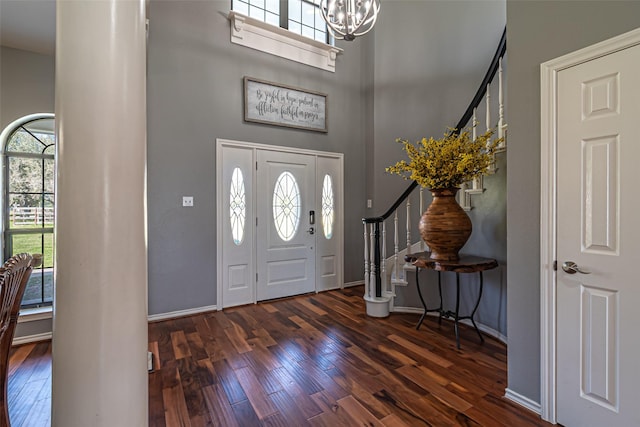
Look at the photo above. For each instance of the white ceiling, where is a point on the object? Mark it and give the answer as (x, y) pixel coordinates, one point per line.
(28, 25)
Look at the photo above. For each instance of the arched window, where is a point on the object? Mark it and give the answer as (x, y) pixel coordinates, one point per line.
(28, 155)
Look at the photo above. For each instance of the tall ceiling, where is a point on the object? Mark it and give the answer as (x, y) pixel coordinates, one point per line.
(28, 25)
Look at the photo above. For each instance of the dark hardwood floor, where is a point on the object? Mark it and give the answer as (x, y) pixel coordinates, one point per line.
(314, 360)
(29, 388)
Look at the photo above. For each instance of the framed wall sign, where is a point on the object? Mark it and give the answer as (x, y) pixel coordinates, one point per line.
(281, 105)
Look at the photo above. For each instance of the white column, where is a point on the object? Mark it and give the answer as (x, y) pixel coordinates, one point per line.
(100, 304)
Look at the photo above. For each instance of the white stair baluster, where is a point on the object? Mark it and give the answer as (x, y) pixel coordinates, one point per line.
(488, 106)
(396, 247)
(408, 225)
(474, 124)
(476, 184)
(492, 168)
(383, 260)
(502, 126)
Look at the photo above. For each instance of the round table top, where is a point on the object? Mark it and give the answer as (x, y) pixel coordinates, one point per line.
(465, 264)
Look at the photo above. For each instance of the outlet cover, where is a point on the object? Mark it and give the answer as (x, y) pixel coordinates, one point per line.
(187, 201)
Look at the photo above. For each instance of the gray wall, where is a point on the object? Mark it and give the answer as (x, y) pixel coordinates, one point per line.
(430, 58)
(195, 96)
(537, 32)
(26, 84)
(26, 87)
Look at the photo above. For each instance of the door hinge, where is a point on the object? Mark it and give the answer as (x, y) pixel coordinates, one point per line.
(256, 165)
(256, 221)
(256, 277)
(555, 265)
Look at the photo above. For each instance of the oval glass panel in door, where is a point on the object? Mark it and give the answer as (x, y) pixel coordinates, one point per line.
(327, 207)
(237, 206)
(286, 206)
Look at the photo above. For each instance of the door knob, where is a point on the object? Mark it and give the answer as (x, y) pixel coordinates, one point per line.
(311, 230)
(573, 268)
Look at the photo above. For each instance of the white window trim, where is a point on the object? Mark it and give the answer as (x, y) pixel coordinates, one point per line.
(35, 314)
(259, 35)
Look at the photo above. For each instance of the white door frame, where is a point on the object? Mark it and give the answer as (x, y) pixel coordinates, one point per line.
(220, 143)
(548, 209)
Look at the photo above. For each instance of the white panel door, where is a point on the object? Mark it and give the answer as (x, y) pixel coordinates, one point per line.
(236, 216)
(598, 229)
(328, 223)
(285, 235)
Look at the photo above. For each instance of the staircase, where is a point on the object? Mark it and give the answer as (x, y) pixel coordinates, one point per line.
(383, 274)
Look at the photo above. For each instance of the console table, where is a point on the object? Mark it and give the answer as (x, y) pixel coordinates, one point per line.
(466, 264)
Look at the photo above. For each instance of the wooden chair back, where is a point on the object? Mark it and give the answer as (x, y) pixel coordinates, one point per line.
(14, 275)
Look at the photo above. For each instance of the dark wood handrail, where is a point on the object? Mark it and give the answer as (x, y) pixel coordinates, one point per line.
(491, 72)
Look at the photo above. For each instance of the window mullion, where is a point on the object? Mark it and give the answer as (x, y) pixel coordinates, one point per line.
(284, 14)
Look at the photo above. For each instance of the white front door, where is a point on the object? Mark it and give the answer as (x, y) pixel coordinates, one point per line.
(598, 345)
(286, 229)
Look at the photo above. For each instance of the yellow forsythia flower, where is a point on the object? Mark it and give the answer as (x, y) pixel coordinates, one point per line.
(449, 161)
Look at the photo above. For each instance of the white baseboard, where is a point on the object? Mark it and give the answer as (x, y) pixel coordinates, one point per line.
(180, 313)
(352, 284)
(483, 328)
(32, 338)
(409, 310)
(523, 401)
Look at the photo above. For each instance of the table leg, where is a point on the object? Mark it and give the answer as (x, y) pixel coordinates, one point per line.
(421, 299)
(440, 293)
(473, 313)
(455, 319)
(424, 304)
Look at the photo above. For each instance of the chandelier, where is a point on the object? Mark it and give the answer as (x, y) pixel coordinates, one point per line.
(347, 19)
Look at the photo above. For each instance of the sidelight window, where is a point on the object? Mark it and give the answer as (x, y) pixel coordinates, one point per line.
(327, 207)
(237, 206)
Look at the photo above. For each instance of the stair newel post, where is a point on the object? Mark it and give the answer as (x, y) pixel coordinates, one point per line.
(378, 305)
(372, 258)
(376, 259)
(367, 262)
(408, 226)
